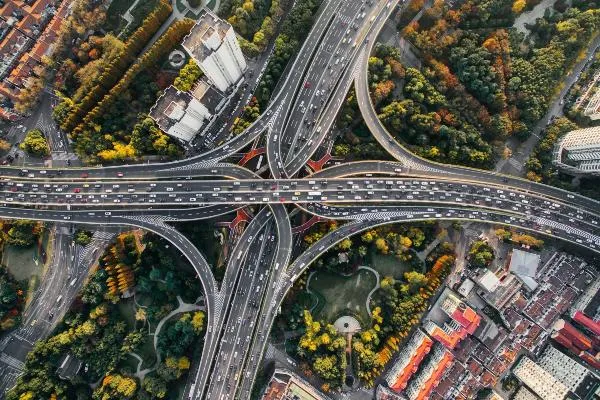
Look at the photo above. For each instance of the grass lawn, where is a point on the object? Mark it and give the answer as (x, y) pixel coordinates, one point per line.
(146, 351)
(23, 263)
(388, 265)
(130, 362)
(141, 10)
(114, 21)
(127, 311)
(343, 293)
(212, 4)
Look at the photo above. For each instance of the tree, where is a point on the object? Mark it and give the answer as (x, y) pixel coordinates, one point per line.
(83, 238)
(381, 245)
(188, 76)
(416, 280)
(326, 367)
(157, 387)
(518, 6)
(4, 145)
(481, 254)
(174, 339)
(23, 233)
(198, 321)
(35, 143)
(11, 299)
(29, 95)
(345, 244)
(115, 387)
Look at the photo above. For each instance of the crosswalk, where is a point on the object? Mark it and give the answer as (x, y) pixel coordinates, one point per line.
(103, 235)
(63, 156)
(11, 361)
(578, 232)
(345, 19)
(515, 163)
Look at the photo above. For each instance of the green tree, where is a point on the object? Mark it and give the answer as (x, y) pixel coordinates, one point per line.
(35, 144)
(188, 76)
(415, 280)
(83, 238)
(326, 367)
(22, 233)
(116, 387)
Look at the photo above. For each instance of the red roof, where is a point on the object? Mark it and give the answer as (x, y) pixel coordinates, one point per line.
(587, 322)
(448, 340)
(435, 378)
(417, 356)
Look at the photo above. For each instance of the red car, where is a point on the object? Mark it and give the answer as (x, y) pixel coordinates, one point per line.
(306, 84)
(85, 175)
(76, 190)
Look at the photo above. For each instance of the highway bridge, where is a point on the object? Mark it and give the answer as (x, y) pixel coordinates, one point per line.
(294, 125)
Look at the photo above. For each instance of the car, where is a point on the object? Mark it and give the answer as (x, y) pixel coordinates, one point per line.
(120, 174)
(76, 190)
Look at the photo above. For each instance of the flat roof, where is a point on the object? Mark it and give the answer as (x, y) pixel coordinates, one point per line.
(524, 263)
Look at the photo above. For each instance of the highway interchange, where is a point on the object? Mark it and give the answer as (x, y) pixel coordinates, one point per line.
(366, 194)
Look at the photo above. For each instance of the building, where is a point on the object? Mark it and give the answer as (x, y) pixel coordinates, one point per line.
(69, 367)
(525, 394)
(577, 343)
(524, 265)
(213, 45)
(426, 380)
(285, 385)
(408, 361)
(540, 381)
(488, 281)
(577, 378)
(182, 115)
(587, 322)
(579, 151)
(451, 320)
(28, 31)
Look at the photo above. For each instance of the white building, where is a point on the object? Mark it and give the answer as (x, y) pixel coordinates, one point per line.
(563, 368)
(524, 265)
(525, 394)
(182, 115)
(579, 151)
(213, 45)
(540, 381)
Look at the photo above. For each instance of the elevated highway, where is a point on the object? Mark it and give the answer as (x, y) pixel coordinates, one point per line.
(363, 194)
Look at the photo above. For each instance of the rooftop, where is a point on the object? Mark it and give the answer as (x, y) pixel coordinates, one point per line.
(206, 36)
(285, 385)
(523, 263)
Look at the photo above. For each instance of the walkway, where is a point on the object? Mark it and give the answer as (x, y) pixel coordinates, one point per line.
(377, 286)
(128, 17)
(183, 307)
(529, 17)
